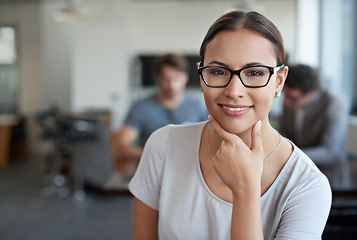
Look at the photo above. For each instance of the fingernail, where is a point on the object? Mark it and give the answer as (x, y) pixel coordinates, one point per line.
(259, 124)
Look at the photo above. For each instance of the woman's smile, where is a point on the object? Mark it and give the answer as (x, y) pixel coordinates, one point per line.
(235, 110)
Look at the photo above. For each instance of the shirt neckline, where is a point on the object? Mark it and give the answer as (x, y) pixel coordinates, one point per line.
(214, 196)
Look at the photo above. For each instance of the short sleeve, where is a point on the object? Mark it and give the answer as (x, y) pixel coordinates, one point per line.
(306, 211)
(146, 183)
(134, 117)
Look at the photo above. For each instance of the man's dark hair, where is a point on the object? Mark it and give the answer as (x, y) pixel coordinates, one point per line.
(303, 77)
(174, 60)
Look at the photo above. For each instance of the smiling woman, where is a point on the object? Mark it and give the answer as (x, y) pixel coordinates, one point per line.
(233, 177)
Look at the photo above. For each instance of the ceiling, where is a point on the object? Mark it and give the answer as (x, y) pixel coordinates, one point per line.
(32, 1)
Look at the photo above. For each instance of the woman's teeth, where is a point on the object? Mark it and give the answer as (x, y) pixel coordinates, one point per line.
(234, 109)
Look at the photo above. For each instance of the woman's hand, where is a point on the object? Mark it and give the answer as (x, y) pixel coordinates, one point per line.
(239, 166)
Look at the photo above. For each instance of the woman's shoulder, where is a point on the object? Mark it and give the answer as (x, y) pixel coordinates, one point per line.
(300, 177)
(179, 129)
(301, 169)
(173, 133)
(300, 160)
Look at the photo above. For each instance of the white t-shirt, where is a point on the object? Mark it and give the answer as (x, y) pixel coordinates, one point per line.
(169, 179)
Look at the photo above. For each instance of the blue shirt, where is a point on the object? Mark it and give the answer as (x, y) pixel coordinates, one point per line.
(149, 114)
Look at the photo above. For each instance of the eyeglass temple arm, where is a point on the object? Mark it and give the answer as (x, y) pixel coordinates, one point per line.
(278, 68)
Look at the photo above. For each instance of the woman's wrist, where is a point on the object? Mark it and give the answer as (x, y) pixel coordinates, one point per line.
(248, 191)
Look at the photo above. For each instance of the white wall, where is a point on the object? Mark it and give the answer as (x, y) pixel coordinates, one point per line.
(100, 59)
(163, 26)
(57, 60)
(307, 32)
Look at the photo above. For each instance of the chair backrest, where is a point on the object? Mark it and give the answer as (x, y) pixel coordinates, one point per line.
(90, 142)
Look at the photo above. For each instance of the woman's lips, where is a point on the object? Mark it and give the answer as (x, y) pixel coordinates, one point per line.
(235, 110)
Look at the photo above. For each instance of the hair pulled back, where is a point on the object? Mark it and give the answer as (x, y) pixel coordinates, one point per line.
(252, 21)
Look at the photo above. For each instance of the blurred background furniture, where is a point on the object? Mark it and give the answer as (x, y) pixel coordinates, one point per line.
(6, 126)
(342, 220)
(81, 144)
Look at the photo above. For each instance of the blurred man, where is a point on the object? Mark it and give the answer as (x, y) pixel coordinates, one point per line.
(314, 119)
(170, 105)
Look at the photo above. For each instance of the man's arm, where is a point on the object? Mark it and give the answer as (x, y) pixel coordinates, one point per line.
(125, 152)
(124, 144)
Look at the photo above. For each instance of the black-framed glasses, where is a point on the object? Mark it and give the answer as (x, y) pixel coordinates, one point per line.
(251, 77)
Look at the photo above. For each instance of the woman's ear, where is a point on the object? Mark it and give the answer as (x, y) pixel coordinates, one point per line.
(198, 64)
(281, 77)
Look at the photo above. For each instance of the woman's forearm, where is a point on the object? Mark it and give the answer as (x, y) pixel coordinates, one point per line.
(246, 216)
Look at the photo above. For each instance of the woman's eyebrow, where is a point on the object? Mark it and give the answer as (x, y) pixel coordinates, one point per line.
(252, 64)
(219, 63)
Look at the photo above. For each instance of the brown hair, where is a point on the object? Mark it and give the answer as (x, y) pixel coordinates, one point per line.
(303, 77)
(174, 60)
(252, 21)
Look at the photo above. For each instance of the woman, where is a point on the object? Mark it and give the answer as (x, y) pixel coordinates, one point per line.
(234, 176)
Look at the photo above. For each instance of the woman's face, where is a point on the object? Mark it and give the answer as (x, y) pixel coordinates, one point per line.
(236, 107)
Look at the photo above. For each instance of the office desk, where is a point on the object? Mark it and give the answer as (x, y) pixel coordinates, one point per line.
(6, 125)
(341, 223)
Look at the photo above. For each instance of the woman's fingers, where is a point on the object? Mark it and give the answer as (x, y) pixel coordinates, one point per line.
(257, 145)
(238, 164)
(227, 136)
(256, 141)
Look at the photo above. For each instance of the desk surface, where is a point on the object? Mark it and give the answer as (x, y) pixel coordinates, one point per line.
(343, 178)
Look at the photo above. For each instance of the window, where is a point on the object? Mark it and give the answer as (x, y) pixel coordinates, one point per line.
(338, 55)
(8, 70)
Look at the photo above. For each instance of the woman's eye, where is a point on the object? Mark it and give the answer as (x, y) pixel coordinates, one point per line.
(217, 71)
(255, 74)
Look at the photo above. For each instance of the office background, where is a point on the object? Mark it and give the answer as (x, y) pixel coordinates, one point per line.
(92, 64)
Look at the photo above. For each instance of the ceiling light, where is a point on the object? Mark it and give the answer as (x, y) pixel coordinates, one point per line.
(73, 11)
(247, 5)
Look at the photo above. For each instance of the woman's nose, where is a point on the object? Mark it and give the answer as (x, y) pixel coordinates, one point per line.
(235, 88)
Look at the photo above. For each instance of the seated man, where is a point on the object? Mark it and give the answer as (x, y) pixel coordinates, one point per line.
(314, 119)
(170, 105)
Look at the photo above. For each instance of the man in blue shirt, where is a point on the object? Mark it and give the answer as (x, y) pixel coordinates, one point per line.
(170, 105)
